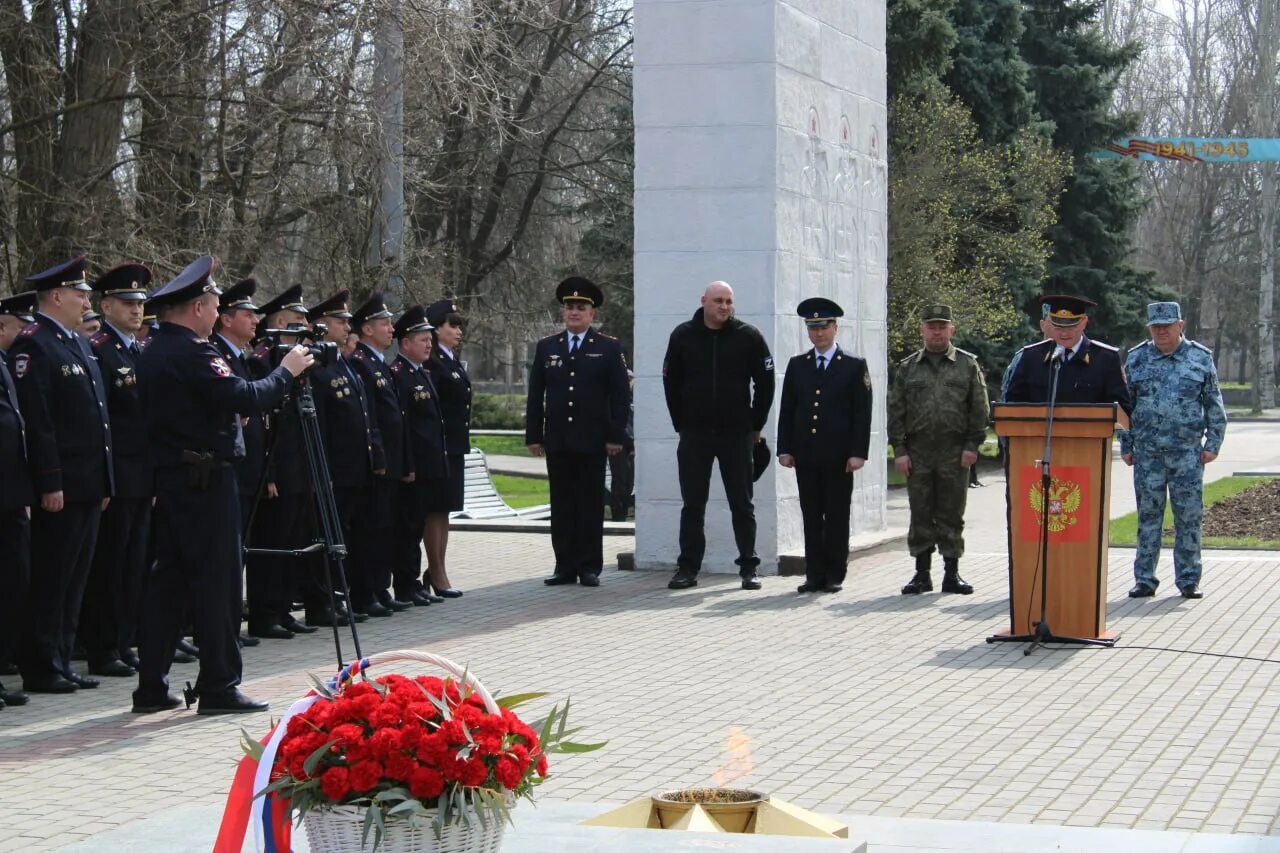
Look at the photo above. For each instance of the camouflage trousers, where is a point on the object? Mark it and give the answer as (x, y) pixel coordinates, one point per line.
(1178, 477)
(937, 488)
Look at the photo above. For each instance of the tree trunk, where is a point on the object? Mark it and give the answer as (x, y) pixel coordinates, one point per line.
(1268, 43)
(386, 233)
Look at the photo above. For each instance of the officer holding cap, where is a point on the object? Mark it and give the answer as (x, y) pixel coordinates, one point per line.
(1177, 428)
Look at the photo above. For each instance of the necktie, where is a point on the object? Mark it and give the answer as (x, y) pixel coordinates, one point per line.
(822, 363)
(133, 349)
(573, 344)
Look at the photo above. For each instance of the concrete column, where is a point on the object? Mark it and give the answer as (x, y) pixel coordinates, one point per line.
(760, 160)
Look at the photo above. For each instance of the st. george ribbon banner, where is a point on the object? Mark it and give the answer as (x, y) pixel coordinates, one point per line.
(1194, 149)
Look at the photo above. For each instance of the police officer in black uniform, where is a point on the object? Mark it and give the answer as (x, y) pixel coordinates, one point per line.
(453, 387)
(348, 432)
(824, 433)
(193, 398)
(109, 613)
(15, 313)
(1090, 372)
(577, 414)
(16, 498)
(69, 442)
(372, 322)
(426, 461)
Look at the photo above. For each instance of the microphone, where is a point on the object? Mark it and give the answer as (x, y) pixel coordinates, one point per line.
(1058, 352)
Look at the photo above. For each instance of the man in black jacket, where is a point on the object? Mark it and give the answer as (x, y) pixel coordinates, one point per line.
(824, 432)
(718, 380)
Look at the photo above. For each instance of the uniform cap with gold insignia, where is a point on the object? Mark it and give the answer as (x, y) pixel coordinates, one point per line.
(66, 274)
(438, 311)
(20, 305)
(1067, 311)
(374, 308)
(575, 288)
(414, 319)
(289, 300)
(334, 306)
(239, 296)
(124, 281)
(192, 283)
(937, 314)
(819, 311)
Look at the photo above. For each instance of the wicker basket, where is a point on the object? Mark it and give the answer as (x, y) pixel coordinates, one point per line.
(338, 829)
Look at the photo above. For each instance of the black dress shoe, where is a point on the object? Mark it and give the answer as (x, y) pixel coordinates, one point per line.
(833, 587)
(809, 586)
(560, 580)
(1141, 590)
(326, 619)
(683, 580)
(49, 684)
(154, 704)
(233, 702)
(188, 647)
(451, 592)
(292, 624)
(590, 580)
(130, 657)
(271, 631)
(84, 682)
(112, 669)
(751, 581)
(420, 599)
(180, 656)
(922, 582)
(13, 697)
(247, 642)
(1191, 590)
(398, 606)
(376, 609)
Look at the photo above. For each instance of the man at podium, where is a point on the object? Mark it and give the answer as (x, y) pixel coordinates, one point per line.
(1090, 370)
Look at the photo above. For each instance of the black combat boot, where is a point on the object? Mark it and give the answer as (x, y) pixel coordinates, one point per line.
(921, 582)
(951, 580)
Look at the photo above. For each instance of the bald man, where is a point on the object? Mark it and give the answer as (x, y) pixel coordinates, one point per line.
(718, 380)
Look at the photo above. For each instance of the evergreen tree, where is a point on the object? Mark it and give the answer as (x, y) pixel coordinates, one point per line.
(919, 40)
(987, 72)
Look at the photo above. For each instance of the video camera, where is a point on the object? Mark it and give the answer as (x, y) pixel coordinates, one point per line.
(324, 352)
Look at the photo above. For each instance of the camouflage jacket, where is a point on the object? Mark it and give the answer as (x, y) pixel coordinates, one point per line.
(1176, 401)
(937, 402)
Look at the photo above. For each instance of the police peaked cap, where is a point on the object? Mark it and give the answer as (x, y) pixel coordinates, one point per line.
(437, 311)
(374, 308)
(414, 319)
(124, 281)
(1067, 310)
(66, 274)
(819, 311)
(20, 305)
(334, 306)
(239, 296)
(290, 300)
(192, 283)
(575, 288)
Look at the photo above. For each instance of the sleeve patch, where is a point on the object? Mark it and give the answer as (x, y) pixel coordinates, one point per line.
(220, 367)
(768, 363)
(20, 365)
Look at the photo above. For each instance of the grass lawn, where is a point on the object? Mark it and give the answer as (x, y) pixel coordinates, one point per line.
(500, 445)
(1124, 530)
(520, 492)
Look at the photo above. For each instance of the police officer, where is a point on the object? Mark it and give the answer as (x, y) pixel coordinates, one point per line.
(718, 379)
(427, 462)
(68, 432)
(109, 613)
(1090, 370)
(193, 400)
(1177, 428)
(15, 313)
(90, 324)
(824, 433)
(347, 430)
(15, 515)
(937, 421)
(453, 389)
(372, 322)
(577, 413)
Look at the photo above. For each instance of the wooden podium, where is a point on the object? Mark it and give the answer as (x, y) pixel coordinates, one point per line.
(1078, 505)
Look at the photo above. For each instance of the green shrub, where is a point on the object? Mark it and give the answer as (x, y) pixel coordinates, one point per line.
(497, 411)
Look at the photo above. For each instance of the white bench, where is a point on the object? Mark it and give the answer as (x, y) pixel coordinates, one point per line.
(481, 500)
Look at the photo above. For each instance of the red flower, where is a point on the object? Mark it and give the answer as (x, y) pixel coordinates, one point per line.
(335, 784)
(426, 783)
(400, 767)
(542, 765)
(433, 750)
(521, 755)
(509, 773)
(384, 742)
(474, 772)
(387, 714)
(347, 733)
(364, 775)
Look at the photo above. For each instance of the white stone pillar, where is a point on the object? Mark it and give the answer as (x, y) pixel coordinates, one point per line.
(760, 160)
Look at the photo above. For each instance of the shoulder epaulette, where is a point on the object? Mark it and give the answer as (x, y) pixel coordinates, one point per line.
(261, 351)
(966, 352)
(1139, 346)
(395, 366)
(358, 354)
(606, 337)
(909, 359)
(1098, 343)
(1201, 346)
(99, 338)
(1037, 344)
(30, 329)
(549, 338)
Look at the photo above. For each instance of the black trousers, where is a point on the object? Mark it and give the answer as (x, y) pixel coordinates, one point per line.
(410, 513)
(622, 480)
(825, 494)
(370, 542)
(109, 612)
(196, 571)
(697, 451)
(577, 511)
(61, 553)
(350, 501)
(15, 578)
(274, 582)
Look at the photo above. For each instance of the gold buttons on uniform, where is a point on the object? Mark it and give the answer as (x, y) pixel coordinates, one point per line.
(571, 418)
(818, 391)
(570, 402)
(815, 403)
(813, 432)
(815, 417)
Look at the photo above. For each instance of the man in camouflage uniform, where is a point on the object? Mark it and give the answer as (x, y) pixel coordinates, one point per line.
(1177, 428)
(937, 419)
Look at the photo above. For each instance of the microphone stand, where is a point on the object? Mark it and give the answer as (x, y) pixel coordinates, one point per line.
(1042, 633)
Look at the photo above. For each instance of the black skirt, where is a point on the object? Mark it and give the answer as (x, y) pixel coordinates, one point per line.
(446, 494)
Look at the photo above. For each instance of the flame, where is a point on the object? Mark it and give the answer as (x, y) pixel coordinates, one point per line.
(739, 763)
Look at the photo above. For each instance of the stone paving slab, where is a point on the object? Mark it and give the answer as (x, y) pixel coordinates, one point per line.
(861, 703)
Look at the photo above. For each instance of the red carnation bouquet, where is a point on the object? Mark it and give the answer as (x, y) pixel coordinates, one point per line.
(398, 746)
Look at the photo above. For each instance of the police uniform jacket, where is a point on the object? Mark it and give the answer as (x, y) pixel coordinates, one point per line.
(577, 402)
(825, 416)
(454, 389)
(253, 428)
(1091, 375)
(388, 408)
(424, 424)
(130, 453)
(64, 403)
(14, 471)
(1176, 401)
(193, 398)
(346, 424)
(286, 462)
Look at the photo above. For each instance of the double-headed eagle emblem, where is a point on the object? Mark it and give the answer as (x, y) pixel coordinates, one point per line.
(1064, 502)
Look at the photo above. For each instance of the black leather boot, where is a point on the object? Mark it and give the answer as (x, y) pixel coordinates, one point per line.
(951, 580)
(921, 582)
